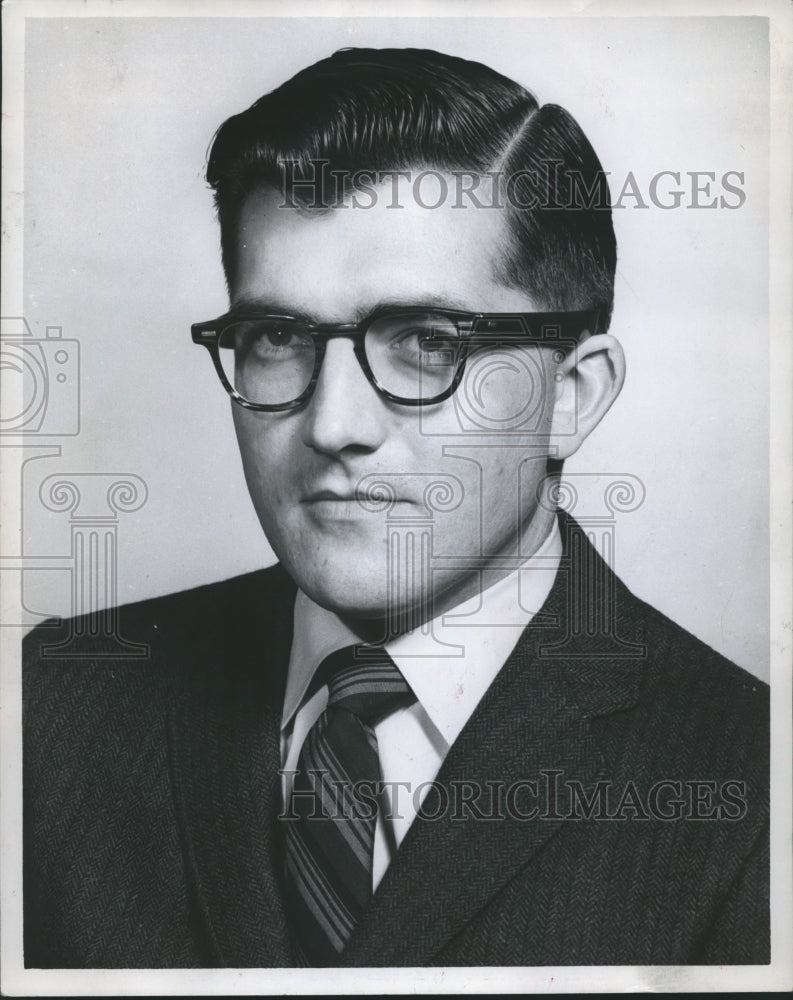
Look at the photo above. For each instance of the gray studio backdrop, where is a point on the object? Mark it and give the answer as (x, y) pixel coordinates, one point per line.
(121, 253)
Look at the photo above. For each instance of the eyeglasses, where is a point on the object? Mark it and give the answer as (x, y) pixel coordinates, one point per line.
(411, 356)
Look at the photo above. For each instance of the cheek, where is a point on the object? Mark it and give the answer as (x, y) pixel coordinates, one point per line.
(500, 487)
(506, 390)
(265, 445)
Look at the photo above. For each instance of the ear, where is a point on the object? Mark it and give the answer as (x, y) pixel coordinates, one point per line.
(588, 381)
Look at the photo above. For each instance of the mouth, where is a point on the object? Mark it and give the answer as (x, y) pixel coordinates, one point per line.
(349, 501)
(330, 495)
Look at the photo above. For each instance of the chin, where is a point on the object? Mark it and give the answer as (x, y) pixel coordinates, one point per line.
(359, 603)
(347, 582)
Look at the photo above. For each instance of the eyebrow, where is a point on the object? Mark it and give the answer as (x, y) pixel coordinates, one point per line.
(428, 300)
(255, 305)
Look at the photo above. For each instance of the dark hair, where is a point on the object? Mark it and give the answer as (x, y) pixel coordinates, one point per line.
(390, 109)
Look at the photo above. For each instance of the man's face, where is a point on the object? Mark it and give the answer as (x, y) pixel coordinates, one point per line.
(303, 466)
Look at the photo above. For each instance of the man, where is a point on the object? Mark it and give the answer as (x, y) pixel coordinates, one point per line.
(439, 731)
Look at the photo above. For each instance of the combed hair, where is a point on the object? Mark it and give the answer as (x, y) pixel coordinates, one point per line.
(380, 110)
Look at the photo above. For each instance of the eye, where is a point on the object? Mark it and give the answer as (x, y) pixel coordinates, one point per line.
(423, 346)
(278, 337)
(438, 350)
(267, 341)
(411, 338)
(271, 339)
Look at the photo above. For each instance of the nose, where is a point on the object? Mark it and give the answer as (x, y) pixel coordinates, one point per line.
(345, 412)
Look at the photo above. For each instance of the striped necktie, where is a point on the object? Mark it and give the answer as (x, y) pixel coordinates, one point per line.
(330, 825)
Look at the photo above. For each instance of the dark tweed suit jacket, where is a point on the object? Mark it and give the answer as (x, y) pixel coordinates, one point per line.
(152, 792)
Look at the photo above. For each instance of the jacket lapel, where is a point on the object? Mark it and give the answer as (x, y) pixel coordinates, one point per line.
(224, 733)
(533, 721)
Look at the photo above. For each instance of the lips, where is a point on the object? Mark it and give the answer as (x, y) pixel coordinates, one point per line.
(317, 495)
(373, 499)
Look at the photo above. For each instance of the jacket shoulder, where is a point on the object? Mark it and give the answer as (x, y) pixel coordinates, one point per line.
(160, 639)
(202, 608)
(677, 658)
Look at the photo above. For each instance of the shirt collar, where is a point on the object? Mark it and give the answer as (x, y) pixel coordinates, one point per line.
(450, 661)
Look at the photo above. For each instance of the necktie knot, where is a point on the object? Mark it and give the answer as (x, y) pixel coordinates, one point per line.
(365, 680)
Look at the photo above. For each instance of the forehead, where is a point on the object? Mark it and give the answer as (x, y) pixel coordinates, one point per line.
(338, 265)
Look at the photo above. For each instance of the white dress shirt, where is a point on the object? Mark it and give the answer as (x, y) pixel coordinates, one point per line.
(449, 663)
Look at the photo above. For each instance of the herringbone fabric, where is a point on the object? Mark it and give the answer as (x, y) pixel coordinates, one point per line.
(330, 826)
(152, 795)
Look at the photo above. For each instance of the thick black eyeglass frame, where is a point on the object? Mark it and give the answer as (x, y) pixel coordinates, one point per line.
(476, 330)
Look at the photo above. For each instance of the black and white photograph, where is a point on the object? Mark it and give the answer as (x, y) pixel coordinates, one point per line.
(396, 498)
